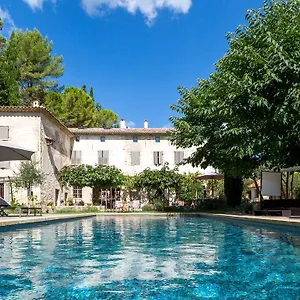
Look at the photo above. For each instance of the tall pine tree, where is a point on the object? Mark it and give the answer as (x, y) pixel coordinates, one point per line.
(38, 68)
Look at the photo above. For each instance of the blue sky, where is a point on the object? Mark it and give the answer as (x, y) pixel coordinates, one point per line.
(135, 53)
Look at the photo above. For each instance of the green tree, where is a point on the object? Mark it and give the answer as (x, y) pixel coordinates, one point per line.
(9, 94)
(159, 184)
(74, 107)
(247, 113)
(190, 188)
(28, 176)
(92, 93)
(38, 68)
(99, 177)
(106, 118)
(84, 88)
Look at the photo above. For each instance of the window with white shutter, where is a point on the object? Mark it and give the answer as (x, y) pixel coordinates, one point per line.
(178, 157)
(4, 133)
(135, 158)
(103, 157)
(76, 158)
(158, 158)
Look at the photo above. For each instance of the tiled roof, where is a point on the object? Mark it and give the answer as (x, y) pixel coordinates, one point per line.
(30, 109)
(120, 131)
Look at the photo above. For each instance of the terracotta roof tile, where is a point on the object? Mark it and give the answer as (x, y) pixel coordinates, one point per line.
(120, 131)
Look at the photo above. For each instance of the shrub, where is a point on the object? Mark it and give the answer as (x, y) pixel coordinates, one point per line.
(148, 207)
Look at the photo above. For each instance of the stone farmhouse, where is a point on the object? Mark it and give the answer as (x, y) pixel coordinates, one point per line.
(129, 149)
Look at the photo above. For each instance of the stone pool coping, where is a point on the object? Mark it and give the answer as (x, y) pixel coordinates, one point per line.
(10, 221)
(293, 221)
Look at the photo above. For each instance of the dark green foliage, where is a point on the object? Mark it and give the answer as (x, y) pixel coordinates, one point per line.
(75, 108)
(247, 113)
(92, 93)
(101, 177)
(158, 184)
(9, 93)
(84, 88)
(38, 68)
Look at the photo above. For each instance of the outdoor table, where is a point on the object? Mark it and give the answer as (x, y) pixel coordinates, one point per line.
(27, 210)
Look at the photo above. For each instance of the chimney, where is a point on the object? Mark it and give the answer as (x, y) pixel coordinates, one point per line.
(123, 124)
(35, 103)
(146, 124)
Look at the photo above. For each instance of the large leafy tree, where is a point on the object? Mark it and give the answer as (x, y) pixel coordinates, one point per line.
(246, 114)
(38, 67)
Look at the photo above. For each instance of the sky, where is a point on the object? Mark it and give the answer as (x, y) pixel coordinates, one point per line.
(135, 53)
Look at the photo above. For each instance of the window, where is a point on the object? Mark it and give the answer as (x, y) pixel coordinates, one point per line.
(135, 139)
(76, 158)
(77, 192)
(103, 156)
(77, 138)
(157, 139)
(4, 132)
(158, 158)
(102, 139)
(4, 165)
(178, 157)
(135, 158)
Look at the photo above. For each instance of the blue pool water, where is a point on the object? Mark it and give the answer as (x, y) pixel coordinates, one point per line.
(149, 258)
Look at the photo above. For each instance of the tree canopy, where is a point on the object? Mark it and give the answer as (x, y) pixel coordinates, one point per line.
(38, 67)
(246, 114)
(104, 177)
(9, 93)
(75, 108)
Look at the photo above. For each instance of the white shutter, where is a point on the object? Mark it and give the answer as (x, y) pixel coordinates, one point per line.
(73, 158)
(105, 157)
(155, 158)
(100, 158)
(175, 157)
(160, 158)
(135, 158)
(4, 132)
(181, 156)
(178, 157)
(78, 157)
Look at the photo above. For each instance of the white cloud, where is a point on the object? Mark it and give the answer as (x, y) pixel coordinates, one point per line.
(168, 125)
(9, 24)
(149, 8)
(37, 4)
(130, 124)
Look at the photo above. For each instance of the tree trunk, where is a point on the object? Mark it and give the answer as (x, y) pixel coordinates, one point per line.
(28, 196)
(233, 187)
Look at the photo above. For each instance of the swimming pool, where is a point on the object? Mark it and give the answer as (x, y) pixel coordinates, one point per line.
(140, 257)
